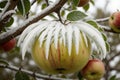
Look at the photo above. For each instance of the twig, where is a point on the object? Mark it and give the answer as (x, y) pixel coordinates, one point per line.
(117, 54)
(18, 30)
(37, 75)
(102, 20)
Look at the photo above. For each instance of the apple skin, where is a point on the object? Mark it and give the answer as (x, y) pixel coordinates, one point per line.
(83, 3)
(114, 21)
(8, 45)
(94, 70)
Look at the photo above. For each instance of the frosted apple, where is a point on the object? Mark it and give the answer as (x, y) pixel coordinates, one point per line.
(114, 21)
(94, 70)
(8, 45)
(59, 48)
(83, 3)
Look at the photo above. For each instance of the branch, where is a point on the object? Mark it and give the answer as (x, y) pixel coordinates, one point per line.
(18, 30)
(117, 54)
(11, 4)
(37, 75)
(102, 20)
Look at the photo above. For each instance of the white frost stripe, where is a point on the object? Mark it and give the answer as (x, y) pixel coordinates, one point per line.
(77, 38)
(63, 33)
(94, 35)
(56, 35)
(85, 38)
(44, 33)
(30, 38)
(69, 37)
(26, 31)
(48, 41)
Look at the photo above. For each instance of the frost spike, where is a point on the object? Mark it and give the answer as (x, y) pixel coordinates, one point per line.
(77, 38)
(93, 34)
(30, 38)
(26, 31)
(43, 34)
(56, 36)
(69, 38)
(63, 33)
(48, 41)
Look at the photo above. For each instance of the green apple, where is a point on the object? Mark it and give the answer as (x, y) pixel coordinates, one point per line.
(94, 70)
(114, 21)
(59, 61)
(8, 45)
(83, 3)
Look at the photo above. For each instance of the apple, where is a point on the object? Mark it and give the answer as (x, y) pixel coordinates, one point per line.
(83, 3)
(8, 45)
(94, 70)
(114, 21)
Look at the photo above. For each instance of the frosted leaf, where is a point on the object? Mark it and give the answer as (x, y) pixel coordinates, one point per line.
(30, 38)
(26, 31)
(93, 35)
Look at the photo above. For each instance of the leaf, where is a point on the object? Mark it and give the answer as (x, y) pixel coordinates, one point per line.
(21, 76)
(86, 7)
(93, 23)
(80, 77)
(23, 6)
(113, 78)
(39, 1)
(3, 3)
(10, 22)
(75, 2)
(44, 6)
(104, 36)
(3, 62)
(92, 1)
(62, 13)
(76, 15)
(107, 46)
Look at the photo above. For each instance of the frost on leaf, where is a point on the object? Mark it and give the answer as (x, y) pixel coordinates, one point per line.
(54, 31)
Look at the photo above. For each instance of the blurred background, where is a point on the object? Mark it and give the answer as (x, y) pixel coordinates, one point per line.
(101, 9)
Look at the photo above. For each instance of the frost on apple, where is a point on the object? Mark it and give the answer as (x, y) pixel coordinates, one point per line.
(49, 30)
(54, 39)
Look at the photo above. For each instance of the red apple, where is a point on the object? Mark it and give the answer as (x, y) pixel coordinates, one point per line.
(114, 21)
(83, 3)
(94, 70)
(8, 45)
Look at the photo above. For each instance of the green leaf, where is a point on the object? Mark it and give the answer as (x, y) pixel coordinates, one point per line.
(3, 62)
(21, 76)
(3, 3)
(75, 2)
(113, 78)
(80, 77)
(23, 6)
(104, 36)
(10, 22)
(76, 15)
(86, 7)
(93, 23)
(92, 1)
(44, 6)
(62, 13)
(39, 1)
(107, 46)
